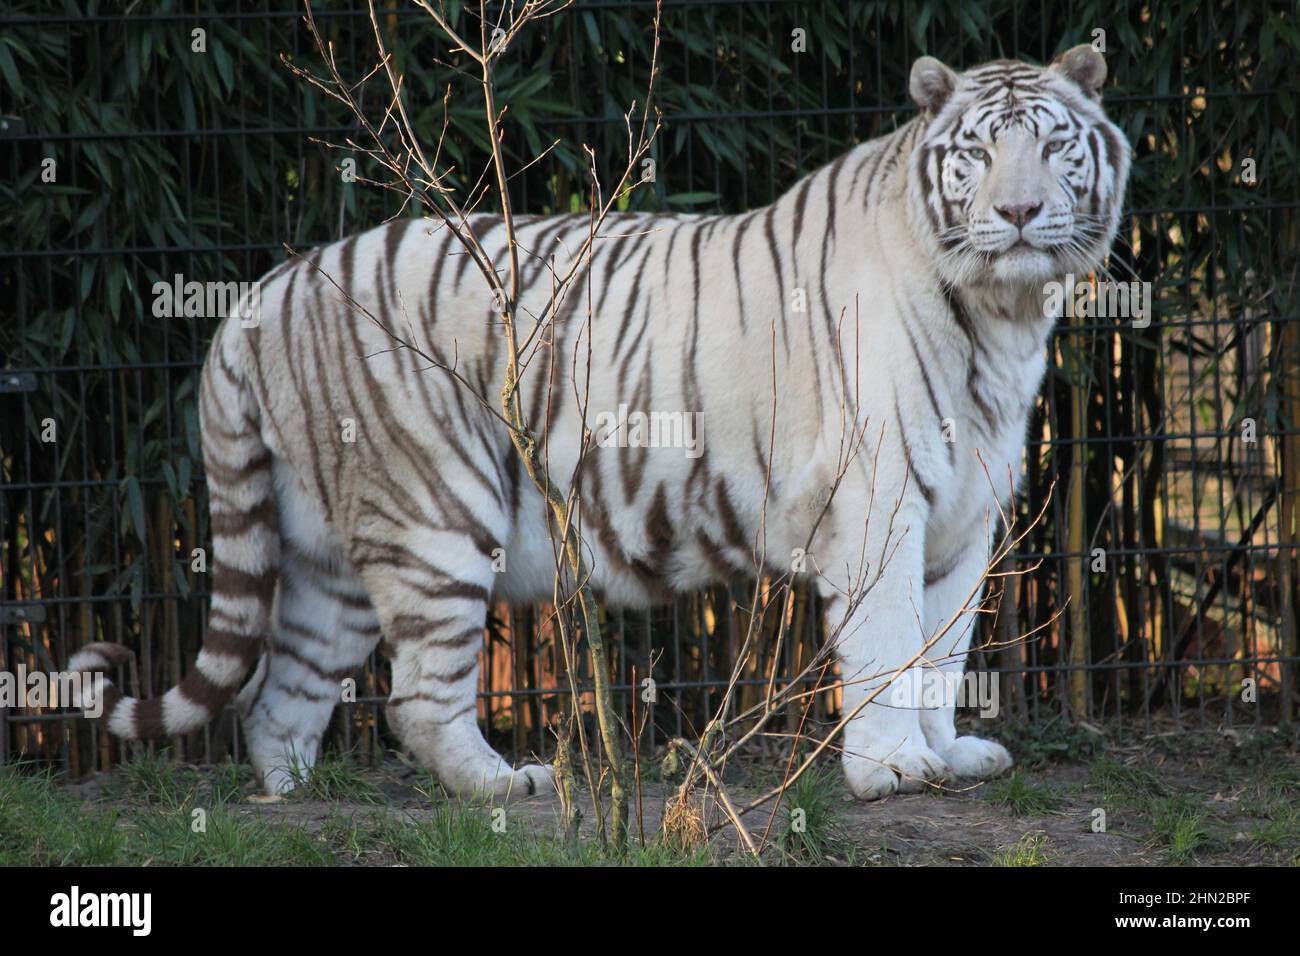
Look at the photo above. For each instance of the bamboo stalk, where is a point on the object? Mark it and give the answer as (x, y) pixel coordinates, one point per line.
(519, 675)
(798, 636)
(1290, 372)
(1077, 679)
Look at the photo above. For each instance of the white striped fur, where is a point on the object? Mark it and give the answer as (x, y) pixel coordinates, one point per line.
(395, 533)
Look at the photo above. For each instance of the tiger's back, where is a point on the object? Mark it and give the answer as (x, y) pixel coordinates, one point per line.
(687, 322)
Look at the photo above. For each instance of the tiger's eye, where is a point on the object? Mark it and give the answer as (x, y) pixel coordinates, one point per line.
(1054, 147)
(979, 155)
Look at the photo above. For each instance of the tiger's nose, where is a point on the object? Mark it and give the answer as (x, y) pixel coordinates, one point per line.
(1020, 213)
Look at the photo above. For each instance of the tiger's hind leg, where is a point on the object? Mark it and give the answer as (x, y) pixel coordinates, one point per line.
(324, 630)
(431, 589)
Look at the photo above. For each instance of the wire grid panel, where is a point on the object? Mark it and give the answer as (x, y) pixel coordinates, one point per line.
(175, 161)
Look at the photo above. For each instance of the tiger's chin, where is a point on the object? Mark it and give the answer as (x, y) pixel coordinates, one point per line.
(1023, 265)
(1026, 265)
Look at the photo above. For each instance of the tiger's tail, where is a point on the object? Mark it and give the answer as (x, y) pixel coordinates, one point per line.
(246, 559)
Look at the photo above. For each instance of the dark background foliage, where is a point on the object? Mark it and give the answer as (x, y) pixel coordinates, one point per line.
(170, 161)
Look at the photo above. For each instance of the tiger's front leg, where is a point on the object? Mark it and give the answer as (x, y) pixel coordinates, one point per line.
(873, 594)
(954, 585)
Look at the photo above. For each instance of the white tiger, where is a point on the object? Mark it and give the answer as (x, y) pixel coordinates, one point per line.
(942, 233)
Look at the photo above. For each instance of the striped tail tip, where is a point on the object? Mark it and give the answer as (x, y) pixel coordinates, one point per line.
(188, 706)
(100, 656)
(97, 658)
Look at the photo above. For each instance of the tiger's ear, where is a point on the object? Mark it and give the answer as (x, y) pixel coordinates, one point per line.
(931, 84)
(1084, 66)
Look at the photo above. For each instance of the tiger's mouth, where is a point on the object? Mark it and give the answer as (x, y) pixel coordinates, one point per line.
(1023, 249)
(1019, 247)
(1022, 261)
(1022, 246)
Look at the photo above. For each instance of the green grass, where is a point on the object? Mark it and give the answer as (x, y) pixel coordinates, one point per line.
(1273, 801)
(40, 826)
(336, 778)
(1279, 781)
(1279, 830)
(1179, 825)
(157, 781)
(1021, 797)
(1122, 783)
(172, 816)
(465, 835)
(1027, 851)
(230, 837)
(809, 830)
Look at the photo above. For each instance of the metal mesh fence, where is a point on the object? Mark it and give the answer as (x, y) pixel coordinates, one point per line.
(164, 141)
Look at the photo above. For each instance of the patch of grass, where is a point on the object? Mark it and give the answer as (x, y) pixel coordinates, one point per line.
(336, 778)
(159, 781)
(1027, 851)
(1274, 806)
(1279, 781)
(458, 834)
(1279, 831)
(41, 826)
(229, 836)
(1273, 801)
(177, 816)
(1179, 824)
(1123, 783)
(1036, 744)
(1021, 797)
(192, 817)
(174, 819)
(809, 830)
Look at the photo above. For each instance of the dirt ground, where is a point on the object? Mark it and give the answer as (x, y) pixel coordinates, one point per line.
(1187, 798)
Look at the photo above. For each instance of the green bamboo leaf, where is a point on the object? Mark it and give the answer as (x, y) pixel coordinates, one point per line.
(135, 505)
(225, 67)
(9, 70)
(691, 198)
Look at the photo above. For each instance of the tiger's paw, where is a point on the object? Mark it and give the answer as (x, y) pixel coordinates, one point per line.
(906, 769)
(505, 783)
(974, 758)
(530, 780)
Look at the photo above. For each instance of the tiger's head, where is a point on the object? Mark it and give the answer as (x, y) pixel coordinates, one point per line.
(1019, 176)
